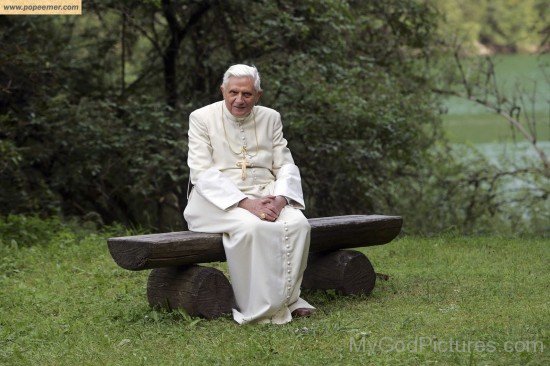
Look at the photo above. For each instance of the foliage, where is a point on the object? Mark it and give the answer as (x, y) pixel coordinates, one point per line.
(467, 192)
(513, 192)
(68, 303)
(355, 122)
(96, 156)
(18, 230)
(93, 109)
(503, 25)
(91, 133)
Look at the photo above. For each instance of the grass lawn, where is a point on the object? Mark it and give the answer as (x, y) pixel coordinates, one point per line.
(449, 300)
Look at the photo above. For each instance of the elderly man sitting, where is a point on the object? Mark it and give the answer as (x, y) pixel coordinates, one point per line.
(247, 187)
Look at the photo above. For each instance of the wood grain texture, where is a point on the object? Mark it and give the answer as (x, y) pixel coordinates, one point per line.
(349, 272)
(206, 292)
(187, 247)
(200, 291)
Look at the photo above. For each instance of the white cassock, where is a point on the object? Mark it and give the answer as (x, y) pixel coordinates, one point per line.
(266, 259)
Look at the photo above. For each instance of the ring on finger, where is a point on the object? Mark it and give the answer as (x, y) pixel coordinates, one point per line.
(262, 216)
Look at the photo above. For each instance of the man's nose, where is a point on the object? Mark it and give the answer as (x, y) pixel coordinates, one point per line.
(239, 98)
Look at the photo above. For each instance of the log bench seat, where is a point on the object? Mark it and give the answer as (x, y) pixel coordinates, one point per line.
(177, 281)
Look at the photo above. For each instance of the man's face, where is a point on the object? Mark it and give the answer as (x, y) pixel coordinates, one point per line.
(240, 96)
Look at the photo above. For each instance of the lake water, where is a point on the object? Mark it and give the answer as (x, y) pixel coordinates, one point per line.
(468, 122)
(490, 135)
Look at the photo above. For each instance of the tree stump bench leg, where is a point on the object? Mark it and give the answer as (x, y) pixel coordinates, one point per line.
(200, 291)
(206, 292)
(349, 272)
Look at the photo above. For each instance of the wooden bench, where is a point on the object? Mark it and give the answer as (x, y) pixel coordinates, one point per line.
(176, 280)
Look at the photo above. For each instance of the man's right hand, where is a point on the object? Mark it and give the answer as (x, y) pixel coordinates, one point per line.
(257, 206)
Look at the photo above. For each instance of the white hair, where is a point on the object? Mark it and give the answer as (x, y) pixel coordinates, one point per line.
(240, 71)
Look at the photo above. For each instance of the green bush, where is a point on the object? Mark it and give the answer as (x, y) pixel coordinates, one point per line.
(88, 130)
(347, 78)
(23, 231)
(116, 160)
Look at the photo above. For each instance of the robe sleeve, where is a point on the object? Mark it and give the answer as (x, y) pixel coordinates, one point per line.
(209, 182)
(287, 175)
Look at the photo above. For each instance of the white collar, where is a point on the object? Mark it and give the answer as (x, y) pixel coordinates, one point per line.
(234, 119)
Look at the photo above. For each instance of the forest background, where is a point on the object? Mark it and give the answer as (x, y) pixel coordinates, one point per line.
(94, 108)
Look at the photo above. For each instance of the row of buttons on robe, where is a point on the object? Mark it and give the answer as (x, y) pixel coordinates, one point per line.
(288, 263)
(243, 138)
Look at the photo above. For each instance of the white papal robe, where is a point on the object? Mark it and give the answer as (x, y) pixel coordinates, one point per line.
(266, 259)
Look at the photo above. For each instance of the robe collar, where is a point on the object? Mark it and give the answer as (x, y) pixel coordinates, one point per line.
(239, 120)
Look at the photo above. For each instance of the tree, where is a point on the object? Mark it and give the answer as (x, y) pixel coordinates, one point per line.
(349, 77)
(502, 26)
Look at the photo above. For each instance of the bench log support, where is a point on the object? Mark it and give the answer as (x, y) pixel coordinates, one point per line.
(200, 291)
(206, 292)
(177, 282)
(349, 272)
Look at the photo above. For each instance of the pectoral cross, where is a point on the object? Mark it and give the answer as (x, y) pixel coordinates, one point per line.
(243, 163)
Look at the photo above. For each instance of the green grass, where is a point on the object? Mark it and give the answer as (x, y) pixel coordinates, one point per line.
(65, 302)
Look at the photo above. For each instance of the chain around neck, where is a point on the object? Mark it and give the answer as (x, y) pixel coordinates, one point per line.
(243, 148)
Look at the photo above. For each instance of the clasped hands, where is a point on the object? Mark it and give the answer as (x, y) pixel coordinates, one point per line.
(266, 208)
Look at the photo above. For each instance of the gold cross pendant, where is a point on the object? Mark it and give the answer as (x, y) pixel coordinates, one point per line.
(243, 163)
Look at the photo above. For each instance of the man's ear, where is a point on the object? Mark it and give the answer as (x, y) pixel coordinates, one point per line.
(259, 96)
(221, 89)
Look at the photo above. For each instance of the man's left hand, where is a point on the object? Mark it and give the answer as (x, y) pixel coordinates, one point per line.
(277, 203)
